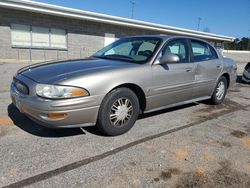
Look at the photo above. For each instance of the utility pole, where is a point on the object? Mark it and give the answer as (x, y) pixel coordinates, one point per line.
(132, 8)
(199, 22)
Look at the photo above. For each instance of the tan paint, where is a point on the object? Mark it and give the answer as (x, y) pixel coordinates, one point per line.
(207, 157)
(247, 166)
(200, 171)
(181, 153)
(5, 120)
(246, 143)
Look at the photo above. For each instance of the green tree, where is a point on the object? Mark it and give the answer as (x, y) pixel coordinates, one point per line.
(238, 44)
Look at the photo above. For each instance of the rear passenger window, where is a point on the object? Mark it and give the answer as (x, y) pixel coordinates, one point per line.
(202, 51)
(214, 54)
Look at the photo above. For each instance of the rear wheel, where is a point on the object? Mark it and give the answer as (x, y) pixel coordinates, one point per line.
(220, 91)
(118, 112)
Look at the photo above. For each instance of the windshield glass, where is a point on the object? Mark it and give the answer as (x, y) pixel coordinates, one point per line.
(135, 49)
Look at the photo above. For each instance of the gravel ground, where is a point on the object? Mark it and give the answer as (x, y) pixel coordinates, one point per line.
(195, 145)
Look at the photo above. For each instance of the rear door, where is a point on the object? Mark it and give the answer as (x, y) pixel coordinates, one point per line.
(173, 82)
(208, 67)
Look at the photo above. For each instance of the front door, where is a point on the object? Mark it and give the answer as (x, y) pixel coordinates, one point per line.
(173, 82)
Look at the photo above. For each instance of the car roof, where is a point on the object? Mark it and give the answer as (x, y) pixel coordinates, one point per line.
(166, 37)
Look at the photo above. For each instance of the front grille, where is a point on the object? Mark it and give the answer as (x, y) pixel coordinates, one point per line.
(21, 87)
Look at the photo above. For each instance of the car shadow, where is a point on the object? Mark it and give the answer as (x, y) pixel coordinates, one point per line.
(29, 126)
(94, 130)
(172, 109)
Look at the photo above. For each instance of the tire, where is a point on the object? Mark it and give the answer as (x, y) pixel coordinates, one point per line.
(218, 98)
(118, 112)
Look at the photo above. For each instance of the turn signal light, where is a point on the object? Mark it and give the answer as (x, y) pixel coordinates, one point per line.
(77, 92)
(57, 116)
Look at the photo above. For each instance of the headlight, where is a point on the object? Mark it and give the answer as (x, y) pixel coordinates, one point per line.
(59, 92)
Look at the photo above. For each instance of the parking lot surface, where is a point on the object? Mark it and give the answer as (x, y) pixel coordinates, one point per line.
(195, 145)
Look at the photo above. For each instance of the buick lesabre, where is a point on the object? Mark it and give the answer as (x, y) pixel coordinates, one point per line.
(133, 75)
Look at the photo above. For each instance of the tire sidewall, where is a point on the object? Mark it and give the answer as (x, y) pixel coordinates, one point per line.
(104, 123)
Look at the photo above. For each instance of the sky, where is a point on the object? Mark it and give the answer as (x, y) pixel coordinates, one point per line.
(223, 17)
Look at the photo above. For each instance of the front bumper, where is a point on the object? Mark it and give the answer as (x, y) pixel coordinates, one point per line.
(80, 111)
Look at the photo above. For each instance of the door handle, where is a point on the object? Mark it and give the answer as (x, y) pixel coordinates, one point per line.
(218, 66)
(189, 69)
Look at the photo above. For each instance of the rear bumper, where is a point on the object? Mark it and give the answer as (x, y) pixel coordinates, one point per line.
(79, 112)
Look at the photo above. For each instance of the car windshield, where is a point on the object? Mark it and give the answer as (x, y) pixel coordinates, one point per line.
(135, 49)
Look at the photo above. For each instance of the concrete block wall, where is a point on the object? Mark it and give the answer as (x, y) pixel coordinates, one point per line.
(84, 37)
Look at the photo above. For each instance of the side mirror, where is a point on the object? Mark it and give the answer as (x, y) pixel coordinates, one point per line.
(169, 58)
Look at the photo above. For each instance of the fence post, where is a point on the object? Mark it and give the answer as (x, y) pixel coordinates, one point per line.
(30, 55)
(18, 55)
(44, 54)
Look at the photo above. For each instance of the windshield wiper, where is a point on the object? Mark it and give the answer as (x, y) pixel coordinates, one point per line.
(101, 57)
(116, 57)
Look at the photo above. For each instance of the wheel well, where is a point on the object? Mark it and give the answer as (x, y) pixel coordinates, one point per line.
(139, 93)
(226, 75)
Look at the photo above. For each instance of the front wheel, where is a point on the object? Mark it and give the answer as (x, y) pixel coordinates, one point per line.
(220, 91)
(118, 112)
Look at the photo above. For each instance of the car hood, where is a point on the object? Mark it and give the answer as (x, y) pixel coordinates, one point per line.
(62, 70)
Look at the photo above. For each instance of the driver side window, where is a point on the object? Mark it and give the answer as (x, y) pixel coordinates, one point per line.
(177, 47)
